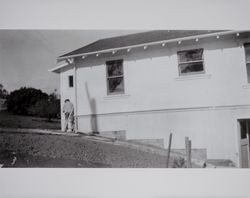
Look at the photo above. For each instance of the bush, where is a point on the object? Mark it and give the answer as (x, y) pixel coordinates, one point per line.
(179, 162)
(19, 101)
(3, 92)
(45, 108)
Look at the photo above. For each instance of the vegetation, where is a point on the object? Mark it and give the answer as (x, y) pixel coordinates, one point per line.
(48, 108)
(19, 101)
(3, 92)
(179, 162)
(34, 102)
(8, 120)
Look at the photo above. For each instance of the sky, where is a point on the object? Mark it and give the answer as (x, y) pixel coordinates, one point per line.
(27, 55)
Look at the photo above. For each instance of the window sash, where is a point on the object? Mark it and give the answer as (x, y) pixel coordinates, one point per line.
(194, 62)
(197, 61)
(248, 72)
(117, 87)
(112, 77)
(198, 55)
(197, 68)
(117, 66)
(247, 52)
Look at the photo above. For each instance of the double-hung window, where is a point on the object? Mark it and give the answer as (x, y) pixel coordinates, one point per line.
(115, 78)
(190, 62)
(247, 54)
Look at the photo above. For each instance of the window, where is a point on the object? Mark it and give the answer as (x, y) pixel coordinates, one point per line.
(247, 53)
(71, 81)
(115, 79)
(191, 62)
(244, 128)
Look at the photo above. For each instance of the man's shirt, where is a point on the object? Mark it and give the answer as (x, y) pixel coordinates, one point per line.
(68, 107)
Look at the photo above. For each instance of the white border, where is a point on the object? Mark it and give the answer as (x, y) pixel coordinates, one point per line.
(116, 14)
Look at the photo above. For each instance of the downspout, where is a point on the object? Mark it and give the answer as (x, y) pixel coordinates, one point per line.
(76, 116)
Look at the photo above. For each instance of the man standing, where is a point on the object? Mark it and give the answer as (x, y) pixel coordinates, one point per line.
(68, 110)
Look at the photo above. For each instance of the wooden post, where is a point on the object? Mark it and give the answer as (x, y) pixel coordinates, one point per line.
(169, 148)
(188, 152)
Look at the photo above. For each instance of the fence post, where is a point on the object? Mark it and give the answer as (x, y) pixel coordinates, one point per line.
(169, 148)
(188, 152)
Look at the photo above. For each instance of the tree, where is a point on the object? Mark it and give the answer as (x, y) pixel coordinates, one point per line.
(3, 92)
(48, 108)
(19, 101)
(45, 108)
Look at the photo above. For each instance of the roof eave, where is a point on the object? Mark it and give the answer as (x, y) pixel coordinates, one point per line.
(58, 68)
(153, 43)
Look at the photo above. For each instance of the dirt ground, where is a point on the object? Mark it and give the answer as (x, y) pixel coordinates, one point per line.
(12, 159)
(16, 121)
(43, 150)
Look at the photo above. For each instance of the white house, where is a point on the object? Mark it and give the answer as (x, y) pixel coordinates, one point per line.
(147, 85)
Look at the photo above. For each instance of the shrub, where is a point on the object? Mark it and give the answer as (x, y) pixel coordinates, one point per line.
(179, 162)
(3, 92)
(19, 101)
(45, 108)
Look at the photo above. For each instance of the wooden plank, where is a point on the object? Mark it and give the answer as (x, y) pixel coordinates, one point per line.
(169, 148)
(188, 152)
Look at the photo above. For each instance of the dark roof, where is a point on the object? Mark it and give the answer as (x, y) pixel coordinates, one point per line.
(135, 39)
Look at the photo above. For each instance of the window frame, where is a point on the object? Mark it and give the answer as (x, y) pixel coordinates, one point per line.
(247, 62)
(69, 81)
(188, 62)
(113, 77)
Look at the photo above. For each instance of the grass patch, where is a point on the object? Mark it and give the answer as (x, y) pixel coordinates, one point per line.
(8, 120)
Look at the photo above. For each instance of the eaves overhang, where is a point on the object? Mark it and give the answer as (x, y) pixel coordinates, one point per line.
(69, 59)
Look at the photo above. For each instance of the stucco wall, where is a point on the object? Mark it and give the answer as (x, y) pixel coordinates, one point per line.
(66, 91)
(152, 81)
(199, 106)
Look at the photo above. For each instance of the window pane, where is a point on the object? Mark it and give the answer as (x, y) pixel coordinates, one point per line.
(191, 67)
(116, 85)
(190, 55)
(248, 72)
(243, 129)
(115, 68)
(71, 81)
(247, 52)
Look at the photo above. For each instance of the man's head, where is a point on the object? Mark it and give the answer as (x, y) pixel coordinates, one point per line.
(67, 100)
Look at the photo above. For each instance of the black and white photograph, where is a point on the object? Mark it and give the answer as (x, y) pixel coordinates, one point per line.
(131, 99)
(118, 99)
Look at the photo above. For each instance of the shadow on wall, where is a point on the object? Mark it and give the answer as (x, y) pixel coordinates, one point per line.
(92, 104)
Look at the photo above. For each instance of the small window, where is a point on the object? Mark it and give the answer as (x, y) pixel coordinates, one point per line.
(244, 128)
(191, 62)
(115, 78)
(71, 81)
(247, 54)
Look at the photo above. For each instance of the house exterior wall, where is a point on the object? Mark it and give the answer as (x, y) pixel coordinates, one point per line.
(158, 101)
(66, 91)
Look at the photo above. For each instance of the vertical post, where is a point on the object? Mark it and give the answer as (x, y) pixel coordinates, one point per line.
(75, 111)
(248, 142)
(188, 152)
(169, 148)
